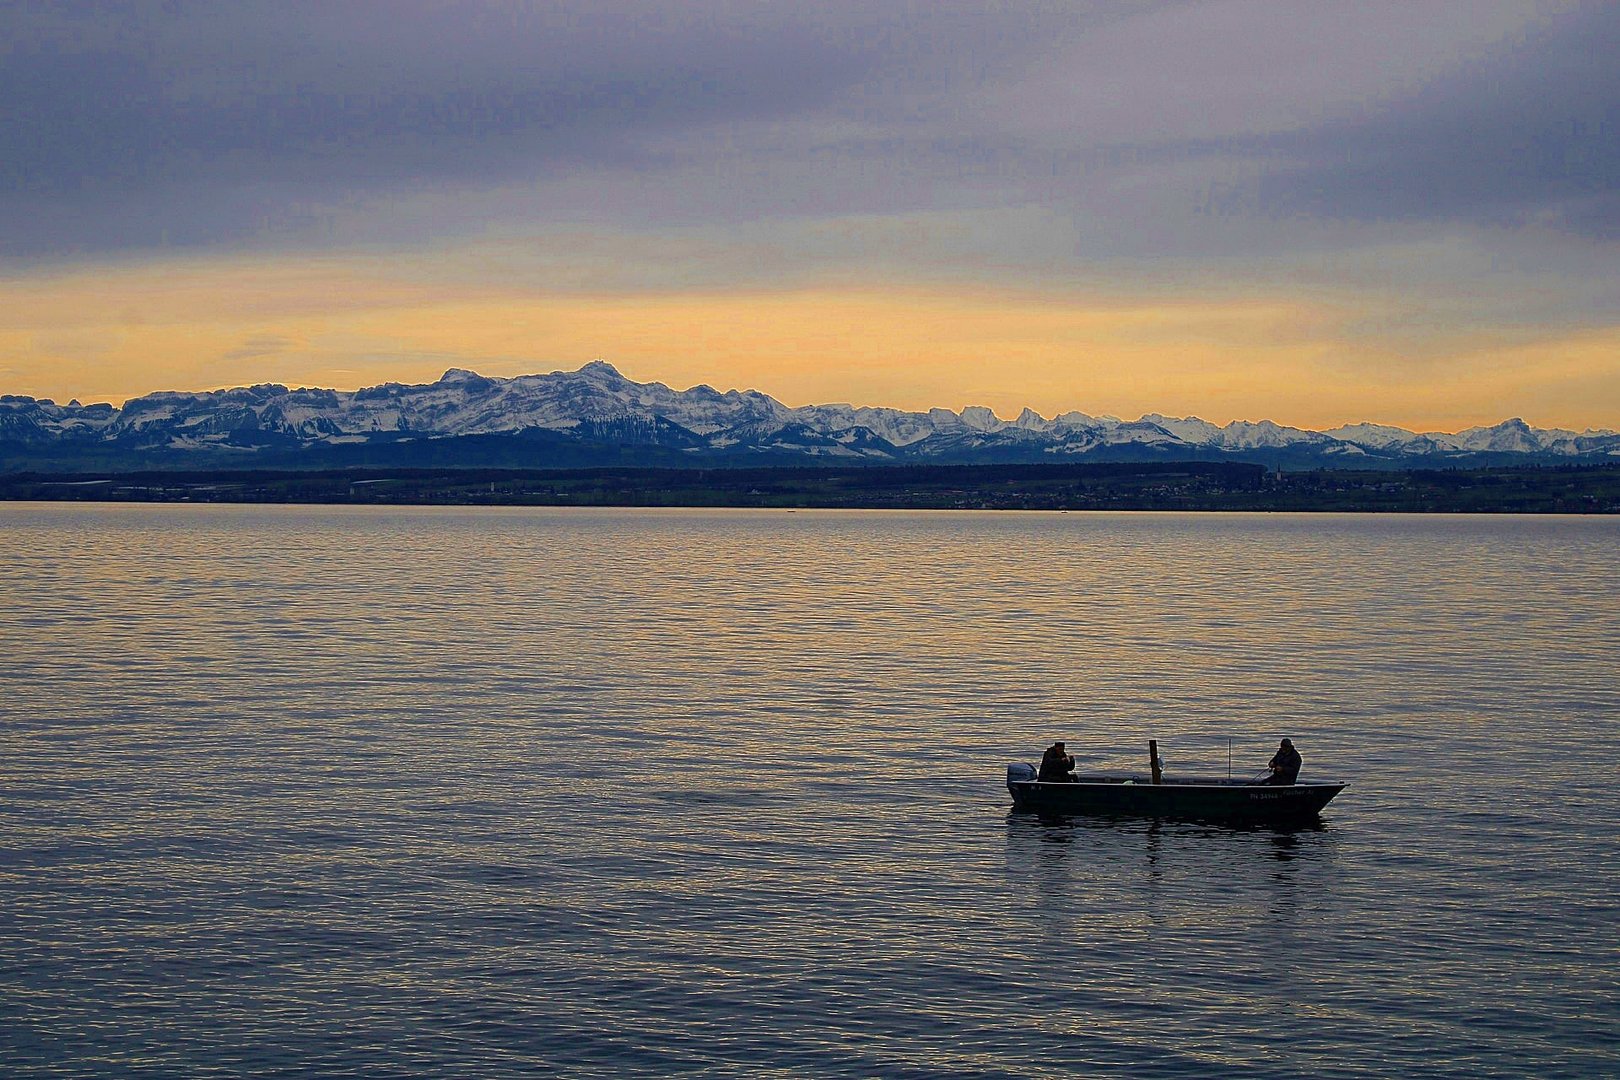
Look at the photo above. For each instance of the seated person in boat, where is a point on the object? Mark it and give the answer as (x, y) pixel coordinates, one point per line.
(1284, 765)
(1056, 765)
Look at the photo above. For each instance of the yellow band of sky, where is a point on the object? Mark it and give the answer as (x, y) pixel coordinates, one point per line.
(111, 333)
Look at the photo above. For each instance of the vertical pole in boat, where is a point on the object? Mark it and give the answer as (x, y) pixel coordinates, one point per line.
(1153, 758)
(1229, 757)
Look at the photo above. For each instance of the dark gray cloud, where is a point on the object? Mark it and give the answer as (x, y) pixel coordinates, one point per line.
(1531, 138)
(1232, 128)
(130, 124)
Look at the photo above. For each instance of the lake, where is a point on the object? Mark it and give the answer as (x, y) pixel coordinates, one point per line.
(325, 792)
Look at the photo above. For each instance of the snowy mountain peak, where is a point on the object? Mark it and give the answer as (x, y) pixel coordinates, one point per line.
(980, 418)
(1188, 429)
(600, 412)
(1030, 420)
(602, 370)
(462, 377)
(1371, 436)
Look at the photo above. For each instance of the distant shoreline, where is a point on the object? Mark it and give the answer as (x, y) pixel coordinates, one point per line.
(1185, 486)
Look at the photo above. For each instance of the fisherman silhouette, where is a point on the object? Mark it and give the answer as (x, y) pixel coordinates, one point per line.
(1284, 765)
(1056, 765)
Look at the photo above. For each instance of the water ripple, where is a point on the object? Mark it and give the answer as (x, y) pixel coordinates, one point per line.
(298, 792)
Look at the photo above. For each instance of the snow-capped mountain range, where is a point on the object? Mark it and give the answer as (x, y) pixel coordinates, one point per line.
(597, 416)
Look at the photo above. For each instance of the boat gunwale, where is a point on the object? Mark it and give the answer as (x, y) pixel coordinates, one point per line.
(1195, 782)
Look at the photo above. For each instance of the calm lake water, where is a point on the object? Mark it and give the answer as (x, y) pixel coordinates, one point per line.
(325, 792)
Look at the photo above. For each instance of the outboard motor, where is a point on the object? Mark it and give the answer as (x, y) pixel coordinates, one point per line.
(1021, 773)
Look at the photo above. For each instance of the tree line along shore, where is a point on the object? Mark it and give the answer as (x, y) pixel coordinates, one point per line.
(1215, 486)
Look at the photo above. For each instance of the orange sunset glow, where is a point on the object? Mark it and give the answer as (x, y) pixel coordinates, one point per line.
(1396, 214)
(120, 333)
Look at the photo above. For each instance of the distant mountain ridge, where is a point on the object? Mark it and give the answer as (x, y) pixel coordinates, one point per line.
(596, 416)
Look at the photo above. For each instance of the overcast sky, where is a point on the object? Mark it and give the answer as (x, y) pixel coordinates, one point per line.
(1405, 212)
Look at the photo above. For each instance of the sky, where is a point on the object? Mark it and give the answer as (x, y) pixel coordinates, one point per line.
(1397, 211)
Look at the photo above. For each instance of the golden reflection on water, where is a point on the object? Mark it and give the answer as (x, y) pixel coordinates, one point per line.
(323, 790)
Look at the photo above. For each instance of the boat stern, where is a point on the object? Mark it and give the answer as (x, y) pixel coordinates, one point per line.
(1019, 773)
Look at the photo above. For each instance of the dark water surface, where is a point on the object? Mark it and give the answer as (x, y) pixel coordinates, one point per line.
(442, 793)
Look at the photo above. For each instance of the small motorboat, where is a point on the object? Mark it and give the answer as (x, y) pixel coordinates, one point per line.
(1188, 798)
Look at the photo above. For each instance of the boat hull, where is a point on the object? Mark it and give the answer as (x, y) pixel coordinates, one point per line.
(1185, 800)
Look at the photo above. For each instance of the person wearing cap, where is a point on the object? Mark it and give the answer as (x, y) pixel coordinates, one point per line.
(1056, 765)
(1284, 765)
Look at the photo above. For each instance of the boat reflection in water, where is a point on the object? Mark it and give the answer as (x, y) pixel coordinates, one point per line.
(1186, 799)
